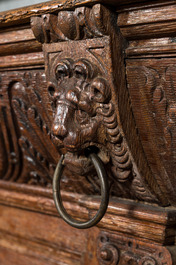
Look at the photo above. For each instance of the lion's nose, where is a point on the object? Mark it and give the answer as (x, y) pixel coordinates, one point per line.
(59, 130)
(72, 96)
(59, 127)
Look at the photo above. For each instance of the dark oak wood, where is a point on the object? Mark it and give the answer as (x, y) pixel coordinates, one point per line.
(79, 73)
(134, 221)
(21, 61)
(148, 22)
(22, 14)
(39, 134)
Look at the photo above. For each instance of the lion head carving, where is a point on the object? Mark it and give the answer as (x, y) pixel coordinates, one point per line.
(78, 92)
(82, 93)
(84, 116)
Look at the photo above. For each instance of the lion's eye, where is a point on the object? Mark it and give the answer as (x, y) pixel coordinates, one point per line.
(80, 72)
(100, 90)
(62, 70)
(98, 95)
(97, 92)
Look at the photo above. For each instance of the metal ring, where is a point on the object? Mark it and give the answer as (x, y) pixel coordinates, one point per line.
(104, 194)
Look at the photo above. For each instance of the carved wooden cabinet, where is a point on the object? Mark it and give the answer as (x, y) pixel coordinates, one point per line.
(78, 78)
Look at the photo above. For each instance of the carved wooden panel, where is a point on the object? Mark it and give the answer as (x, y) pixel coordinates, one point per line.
(22, 109)
(81, 103)
(154, 105)
(30, 150)
(83, 98)
(28, 155)
(85, 111)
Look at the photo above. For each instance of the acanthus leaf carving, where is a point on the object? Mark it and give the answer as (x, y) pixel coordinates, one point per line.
(10, 153)
(31, 129)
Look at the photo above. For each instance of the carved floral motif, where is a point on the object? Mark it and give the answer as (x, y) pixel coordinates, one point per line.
(9, 150)
(32, 122)
(114, 249)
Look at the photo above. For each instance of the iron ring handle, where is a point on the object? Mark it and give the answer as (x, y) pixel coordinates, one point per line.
(104, 194)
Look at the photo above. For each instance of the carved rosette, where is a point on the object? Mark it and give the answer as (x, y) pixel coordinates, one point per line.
(114, 249)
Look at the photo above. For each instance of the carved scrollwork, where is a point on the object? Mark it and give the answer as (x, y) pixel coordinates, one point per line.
(33, 154)
(91, 117)
(148, 261)
(82, 97)
(9, 151)
(81, 23)
(84, 114)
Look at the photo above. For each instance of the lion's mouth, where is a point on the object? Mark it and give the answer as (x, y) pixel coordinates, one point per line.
(76, 157)
(64, 147)
(79, 162)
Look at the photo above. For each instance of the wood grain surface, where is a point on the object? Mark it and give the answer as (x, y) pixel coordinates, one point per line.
(38, 117)
(22, 15)
(124, 216)
(130, 46)
(31, 230)
(148, 22)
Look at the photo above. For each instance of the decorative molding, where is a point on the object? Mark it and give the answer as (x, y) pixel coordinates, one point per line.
(90, 52)
(147, 22)
(134, 219)
(132, 225)
(82, 100)
(37, 148)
